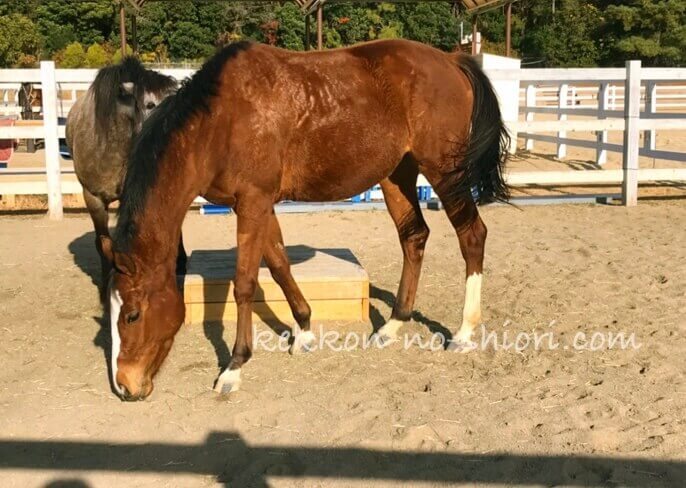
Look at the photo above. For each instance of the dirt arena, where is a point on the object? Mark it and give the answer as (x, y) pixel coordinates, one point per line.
(566, 416)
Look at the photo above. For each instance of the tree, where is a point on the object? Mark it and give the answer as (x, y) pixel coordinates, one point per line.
(353, 22)
(431, 23)
(23, 7)
(18, 39)
(654, 32)
(90, 21)
(291, 27)
(96, 56)
(567, 38)
(190, 41)
(74, 56)
(117, 57)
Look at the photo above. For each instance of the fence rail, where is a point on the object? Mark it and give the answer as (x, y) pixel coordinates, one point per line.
(626, 99)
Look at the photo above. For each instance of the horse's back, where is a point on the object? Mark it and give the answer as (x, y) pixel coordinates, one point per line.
(345, 114)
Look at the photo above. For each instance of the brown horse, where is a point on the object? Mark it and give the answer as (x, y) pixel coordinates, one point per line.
(100, 130)
(256, 125)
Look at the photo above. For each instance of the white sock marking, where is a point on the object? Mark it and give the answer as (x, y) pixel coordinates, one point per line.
(390, 328)
(471, 314)
(232, 376)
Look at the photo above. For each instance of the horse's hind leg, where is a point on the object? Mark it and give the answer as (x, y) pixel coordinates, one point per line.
(400, 195)
(277, 261)
(97, 208)
(471, 233)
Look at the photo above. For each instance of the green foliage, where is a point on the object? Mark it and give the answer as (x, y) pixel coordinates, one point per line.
(654, 32)
(569, 38)
(74, 56)
(190, 41)
(97, 56)
(431, 23)
(351, 21)
(117, 57)
(291, 27)
(91, 21)
(576, 33)
(19, 41)
(23, 7)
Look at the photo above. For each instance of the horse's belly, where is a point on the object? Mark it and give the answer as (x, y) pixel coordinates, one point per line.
(327, 181)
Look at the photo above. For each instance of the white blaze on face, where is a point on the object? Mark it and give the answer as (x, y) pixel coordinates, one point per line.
(115, 307)
(472, 307)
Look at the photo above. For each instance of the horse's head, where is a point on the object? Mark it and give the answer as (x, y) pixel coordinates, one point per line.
(146, 312)
(128, 90)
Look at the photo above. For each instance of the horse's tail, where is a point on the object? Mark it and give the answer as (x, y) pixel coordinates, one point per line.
(484, 157)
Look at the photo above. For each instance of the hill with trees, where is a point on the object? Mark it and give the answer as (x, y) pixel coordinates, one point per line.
(545, 32)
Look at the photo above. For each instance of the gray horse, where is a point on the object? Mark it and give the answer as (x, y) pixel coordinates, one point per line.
(100, 129)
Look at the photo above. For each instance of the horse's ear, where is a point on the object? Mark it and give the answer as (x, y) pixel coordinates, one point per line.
(124, 263)
(121, 261)
(107, 248)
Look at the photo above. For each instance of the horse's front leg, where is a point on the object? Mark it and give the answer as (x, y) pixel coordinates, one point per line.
(97, 208)
(253, 224)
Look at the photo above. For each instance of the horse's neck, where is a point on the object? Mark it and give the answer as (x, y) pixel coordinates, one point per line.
(158, 226)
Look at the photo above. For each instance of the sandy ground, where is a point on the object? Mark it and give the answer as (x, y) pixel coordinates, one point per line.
(565, 416)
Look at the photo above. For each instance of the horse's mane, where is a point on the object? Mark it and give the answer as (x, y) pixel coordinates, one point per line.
(150, 144)
(107, 87)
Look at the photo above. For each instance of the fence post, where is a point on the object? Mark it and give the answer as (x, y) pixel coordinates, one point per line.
(562, 98)
(632, 113)
(603, 99)
(651, 108)
(530, 102)
(52, 145)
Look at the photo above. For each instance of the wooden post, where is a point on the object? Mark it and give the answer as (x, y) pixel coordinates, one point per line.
(134, 33)
(632, 113)
(52, 145)
(601, 135)
(307, 32)
(651, 108)
(562, 98)
(508, 30)
(530, 102)
(474, 34)
(122, 28)
(320, 21)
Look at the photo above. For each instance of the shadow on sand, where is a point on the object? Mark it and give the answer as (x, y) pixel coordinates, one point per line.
(226, 457)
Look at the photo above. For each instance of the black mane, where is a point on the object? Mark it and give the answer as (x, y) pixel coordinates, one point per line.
(107, 87)
(170, 116)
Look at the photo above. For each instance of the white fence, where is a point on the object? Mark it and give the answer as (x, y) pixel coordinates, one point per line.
(604, 117)
(60, 88)
(596, 93)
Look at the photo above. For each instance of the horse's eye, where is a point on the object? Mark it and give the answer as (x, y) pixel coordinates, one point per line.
(150, 105)
(131, 317)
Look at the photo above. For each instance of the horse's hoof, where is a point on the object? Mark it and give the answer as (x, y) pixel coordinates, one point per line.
(303, 343)
(382, 340)
(228, 382)
(461, 346)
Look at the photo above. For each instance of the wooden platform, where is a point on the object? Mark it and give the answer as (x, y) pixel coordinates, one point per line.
(332, 280)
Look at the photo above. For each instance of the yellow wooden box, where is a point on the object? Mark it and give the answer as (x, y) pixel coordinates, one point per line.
(332, 280)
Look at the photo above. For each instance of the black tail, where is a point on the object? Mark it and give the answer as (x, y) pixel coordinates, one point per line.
(484, 157)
